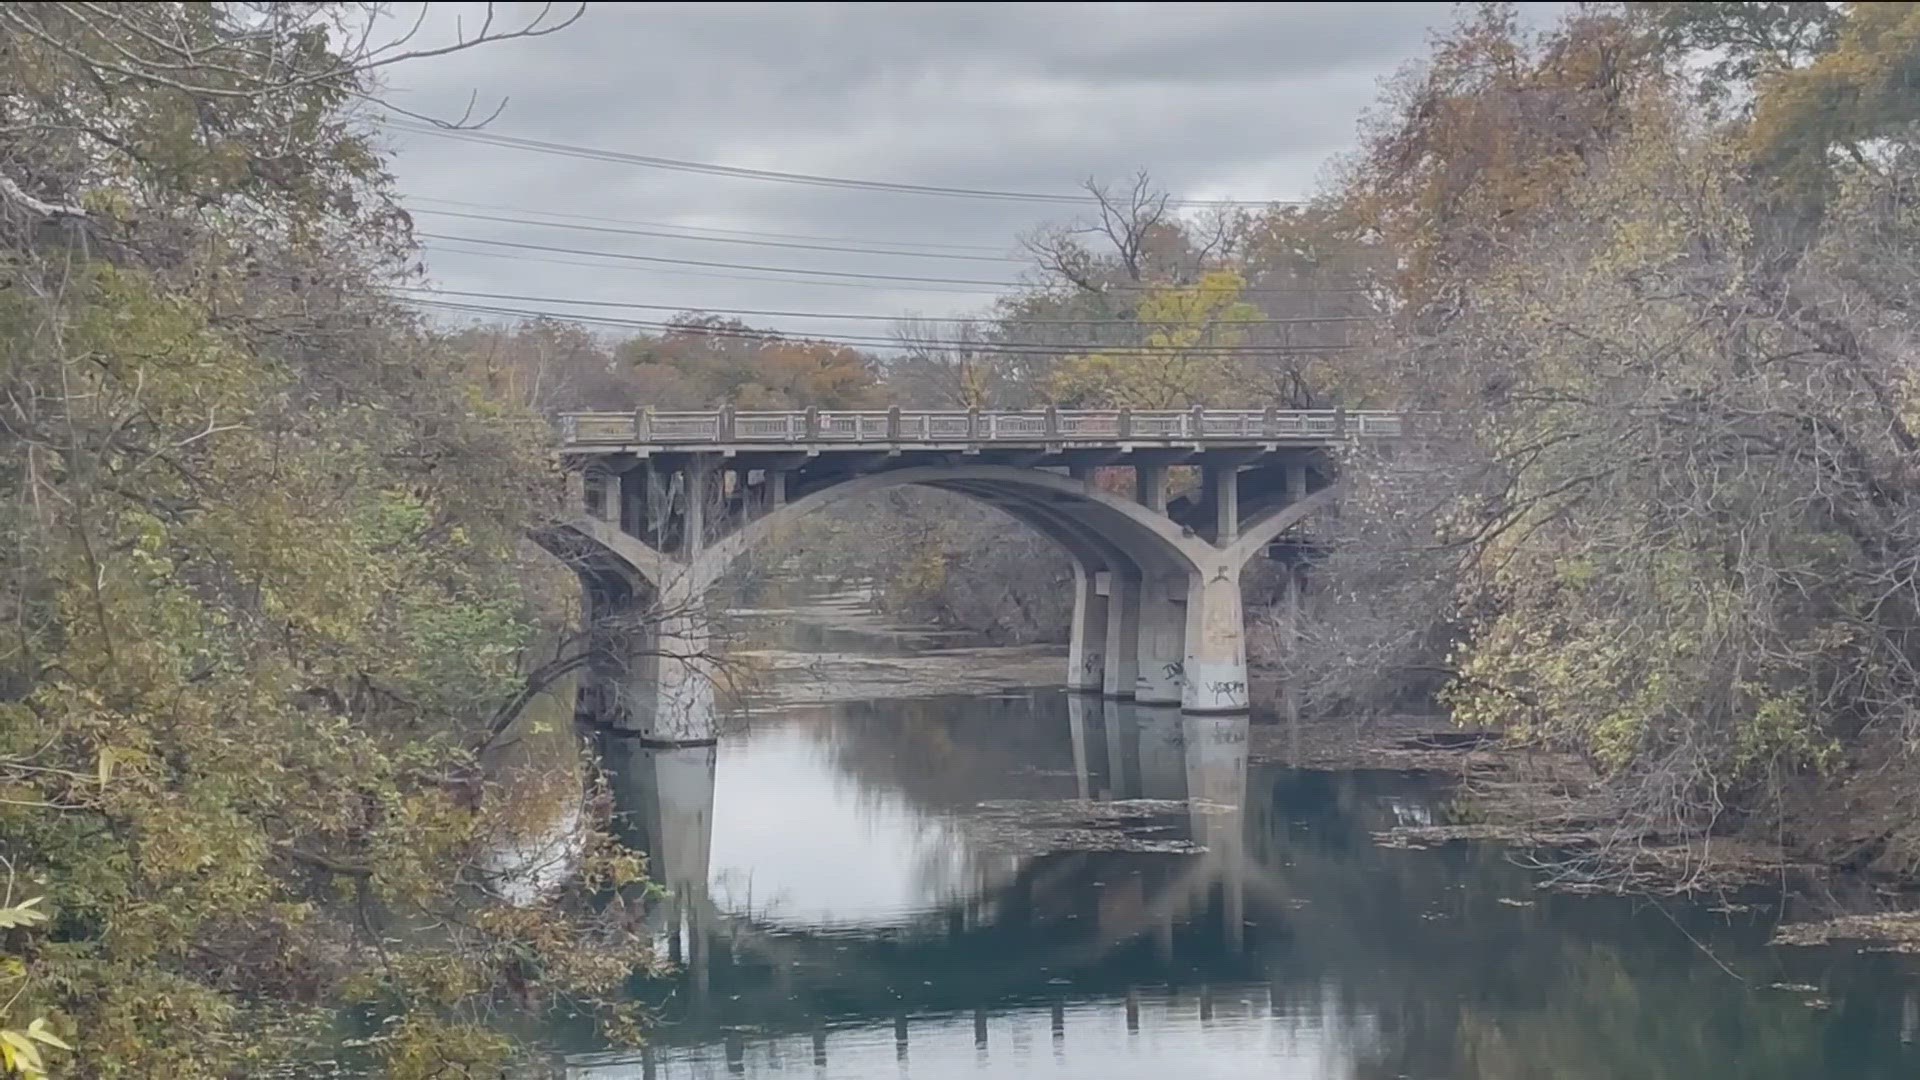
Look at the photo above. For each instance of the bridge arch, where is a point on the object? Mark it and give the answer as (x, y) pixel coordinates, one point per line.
(1149, 539)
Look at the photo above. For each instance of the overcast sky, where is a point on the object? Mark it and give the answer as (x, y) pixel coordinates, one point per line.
(1239, 101)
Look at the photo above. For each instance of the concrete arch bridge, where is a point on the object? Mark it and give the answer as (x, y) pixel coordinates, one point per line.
(662, 504)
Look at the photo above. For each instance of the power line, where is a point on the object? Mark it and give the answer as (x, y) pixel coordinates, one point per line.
(773, 175)
(661, 259)
(860, 342)
(840, 317)
(716, 265)
(714, 274)
(605, 219)
(611, 230)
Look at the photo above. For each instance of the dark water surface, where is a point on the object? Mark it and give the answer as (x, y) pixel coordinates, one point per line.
(1038, 885)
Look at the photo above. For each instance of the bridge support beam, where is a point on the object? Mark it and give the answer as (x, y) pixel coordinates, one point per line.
(660, 673)
(1215, 656)
(1086, 652)
(1223, 494)
(1150, 487)
(1121, 677)
(1160, 671)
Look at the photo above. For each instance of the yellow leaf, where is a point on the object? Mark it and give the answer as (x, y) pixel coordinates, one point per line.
(106, 765)
(22, 914)
(39, 1032)
(29, 1055)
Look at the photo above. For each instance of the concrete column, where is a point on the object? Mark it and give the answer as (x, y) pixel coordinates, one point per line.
(697, 483)
(601, 496)
(576, 491)
(657, 505)
(1161, 670)
(1215, 651)
(1151, 482)
(777, 487)
(614, 498)
(1223, 492)
(1123, 633)
(633, 502)
(668, 695)
(1296, 481)
(1086, 656)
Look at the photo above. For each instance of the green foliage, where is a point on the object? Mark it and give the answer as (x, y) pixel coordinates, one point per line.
(1178, 364)
(265, 584)
(1678, 383)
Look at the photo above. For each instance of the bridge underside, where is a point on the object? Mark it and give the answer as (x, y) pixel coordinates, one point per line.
(1157, 611)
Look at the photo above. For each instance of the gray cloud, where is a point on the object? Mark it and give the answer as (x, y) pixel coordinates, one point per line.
(1221, 100)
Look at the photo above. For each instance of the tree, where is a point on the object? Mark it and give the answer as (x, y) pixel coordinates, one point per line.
(263, 568)
(1676, 402)
(1186, 356)
(704, 361)
(1478, 141)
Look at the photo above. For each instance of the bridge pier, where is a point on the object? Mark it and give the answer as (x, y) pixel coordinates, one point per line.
(671, 700)
(1086, 651)
(1215, 659)
(1122, 675)
(1160, 670)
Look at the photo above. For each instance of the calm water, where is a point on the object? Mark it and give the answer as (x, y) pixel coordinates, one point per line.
(915, 888)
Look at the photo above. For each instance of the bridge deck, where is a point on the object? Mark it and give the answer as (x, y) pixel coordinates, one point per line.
(820, 429)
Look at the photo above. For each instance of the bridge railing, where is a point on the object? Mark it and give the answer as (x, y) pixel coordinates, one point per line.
(647, 426)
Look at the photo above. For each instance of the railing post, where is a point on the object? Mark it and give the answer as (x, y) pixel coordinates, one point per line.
(1270, 423)
(813, 423)
(1339, 421)
(1124, 425)
(643, 424)
(1198, 421)
(725, 432)
(893, 424)
(973, 422)
(1053, 422)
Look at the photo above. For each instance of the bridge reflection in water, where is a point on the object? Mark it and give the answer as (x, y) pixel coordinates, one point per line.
(1056, 885)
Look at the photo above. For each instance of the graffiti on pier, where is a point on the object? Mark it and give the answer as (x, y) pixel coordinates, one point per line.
(1175, 673)
(1230, 691)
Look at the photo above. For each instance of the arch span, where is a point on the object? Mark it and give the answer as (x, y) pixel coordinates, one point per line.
(1143, 534)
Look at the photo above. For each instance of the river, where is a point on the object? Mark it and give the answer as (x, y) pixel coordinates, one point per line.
(1016, 883)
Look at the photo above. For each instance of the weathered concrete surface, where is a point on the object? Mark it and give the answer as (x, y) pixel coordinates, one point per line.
(1157, 610)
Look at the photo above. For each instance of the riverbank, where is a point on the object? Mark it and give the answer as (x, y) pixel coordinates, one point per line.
(1831, 867)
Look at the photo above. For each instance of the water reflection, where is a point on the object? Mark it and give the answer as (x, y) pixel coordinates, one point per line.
(1042, 884)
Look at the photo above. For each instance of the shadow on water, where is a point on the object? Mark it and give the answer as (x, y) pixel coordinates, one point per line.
(1048, 884)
